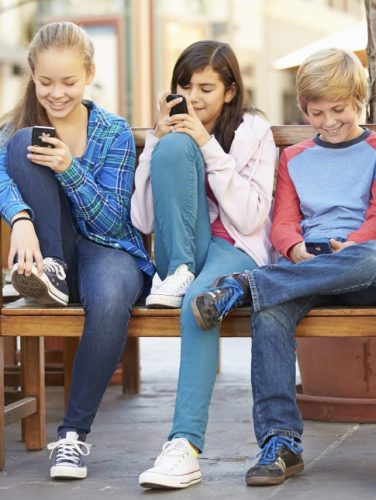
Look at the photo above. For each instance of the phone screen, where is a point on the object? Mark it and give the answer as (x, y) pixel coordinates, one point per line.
(39, 132)
(318, 247)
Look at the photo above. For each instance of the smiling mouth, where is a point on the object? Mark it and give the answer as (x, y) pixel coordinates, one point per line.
(57, 104)
(333, 131)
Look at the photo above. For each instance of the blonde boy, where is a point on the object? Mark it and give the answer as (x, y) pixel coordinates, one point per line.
(324, 227)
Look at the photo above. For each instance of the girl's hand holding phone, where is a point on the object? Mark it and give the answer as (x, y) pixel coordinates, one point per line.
(190, 124)
(163, 126)
(58, 158)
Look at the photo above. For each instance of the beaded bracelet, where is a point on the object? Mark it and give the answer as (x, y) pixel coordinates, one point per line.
(19, 218)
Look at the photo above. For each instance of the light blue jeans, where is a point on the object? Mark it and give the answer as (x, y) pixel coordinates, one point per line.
(182, 235)
(282, 294)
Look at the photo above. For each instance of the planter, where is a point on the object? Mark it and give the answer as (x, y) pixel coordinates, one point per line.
(338, 379)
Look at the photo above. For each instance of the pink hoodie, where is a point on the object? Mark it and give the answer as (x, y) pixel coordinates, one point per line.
(242, 182)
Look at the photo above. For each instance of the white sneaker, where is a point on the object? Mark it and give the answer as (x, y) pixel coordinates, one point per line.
(170, 292)
(176, 467)
(68, 462)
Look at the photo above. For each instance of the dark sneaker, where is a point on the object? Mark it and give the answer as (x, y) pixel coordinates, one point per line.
(281, 457)
(50, 288)
(210, 307)
(68, 462)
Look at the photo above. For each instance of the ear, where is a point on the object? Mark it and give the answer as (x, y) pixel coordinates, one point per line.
(90, 74)
(231, 92)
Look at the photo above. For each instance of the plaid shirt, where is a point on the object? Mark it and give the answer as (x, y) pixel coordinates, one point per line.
(99, 186)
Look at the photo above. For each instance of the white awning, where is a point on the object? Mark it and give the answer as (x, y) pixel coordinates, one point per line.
(353, 38)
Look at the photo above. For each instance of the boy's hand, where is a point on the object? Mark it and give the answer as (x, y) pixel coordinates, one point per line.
(340, 245)
(298, 253)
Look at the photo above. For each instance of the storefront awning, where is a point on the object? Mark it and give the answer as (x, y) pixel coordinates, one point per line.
(353, 38)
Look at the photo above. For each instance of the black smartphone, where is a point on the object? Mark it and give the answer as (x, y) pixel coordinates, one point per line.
(318, 247)
(180, 107)
(39, 132)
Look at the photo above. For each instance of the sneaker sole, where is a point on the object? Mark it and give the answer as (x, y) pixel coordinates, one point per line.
(67, 472)
(36, 287)
(165, 301)
(196, 311)
(197, 315)
(160, 482)
(270, 481)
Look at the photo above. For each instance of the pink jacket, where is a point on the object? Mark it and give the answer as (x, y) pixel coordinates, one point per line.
(242, 182)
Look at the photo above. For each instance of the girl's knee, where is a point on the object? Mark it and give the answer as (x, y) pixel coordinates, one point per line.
(21, 139)
(174, 145)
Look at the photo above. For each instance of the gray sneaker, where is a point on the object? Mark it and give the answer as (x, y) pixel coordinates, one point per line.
(68, 462)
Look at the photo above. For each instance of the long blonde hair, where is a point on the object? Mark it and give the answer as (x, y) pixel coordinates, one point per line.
(28, 111)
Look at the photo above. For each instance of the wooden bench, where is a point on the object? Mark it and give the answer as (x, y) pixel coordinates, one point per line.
(32, 324)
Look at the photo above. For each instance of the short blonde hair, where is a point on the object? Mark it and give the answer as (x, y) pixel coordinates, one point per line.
(331, 74)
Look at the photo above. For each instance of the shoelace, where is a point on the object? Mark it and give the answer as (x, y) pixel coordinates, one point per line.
(176, 447)
(174, 283)
(270, 450)
(68, 450)
(51, 265)
(227, 296)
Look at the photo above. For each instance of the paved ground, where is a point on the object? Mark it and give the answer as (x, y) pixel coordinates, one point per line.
(128, 433)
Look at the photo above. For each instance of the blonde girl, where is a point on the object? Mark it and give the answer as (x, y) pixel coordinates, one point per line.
(69, 208)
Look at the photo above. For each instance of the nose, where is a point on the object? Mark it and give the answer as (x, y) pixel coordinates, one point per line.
(329, 120)
(193, 95)
(57, 91)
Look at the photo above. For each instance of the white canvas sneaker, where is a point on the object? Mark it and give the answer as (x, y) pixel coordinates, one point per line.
(176, 467)
(170, 292)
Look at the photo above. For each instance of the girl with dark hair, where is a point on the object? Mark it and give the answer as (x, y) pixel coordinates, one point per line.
(204, 184)
(69, 208)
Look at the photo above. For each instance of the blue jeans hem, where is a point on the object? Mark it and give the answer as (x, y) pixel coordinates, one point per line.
(254, 292)
(278, 432)
(198, 443)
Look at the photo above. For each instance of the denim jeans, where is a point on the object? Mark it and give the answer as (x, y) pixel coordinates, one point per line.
(281, 295)
(107, 282)
(182, 226)
(183, 236)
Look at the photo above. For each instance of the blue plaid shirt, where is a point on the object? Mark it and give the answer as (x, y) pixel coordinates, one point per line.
(99, 186)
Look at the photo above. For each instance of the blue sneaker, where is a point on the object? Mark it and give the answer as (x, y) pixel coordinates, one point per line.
(68, 462)
(281, 457)
(210, 307)
(49, 289)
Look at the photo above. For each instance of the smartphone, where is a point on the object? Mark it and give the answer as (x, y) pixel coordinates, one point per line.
(39, 132)
(180, 107)
(318, 247)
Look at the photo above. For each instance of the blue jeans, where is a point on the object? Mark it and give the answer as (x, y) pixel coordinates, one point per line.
(107, 282)
(281, 295)
(183, 236)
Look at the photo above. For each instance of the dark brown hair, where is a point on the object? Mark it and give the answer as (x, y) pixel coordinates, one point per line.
(28, 111)
(222, 59)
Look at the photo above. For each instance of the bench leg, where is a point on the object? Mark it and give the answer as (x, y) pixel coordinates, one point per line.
(131, 366)
(70, 348)
(32, 377)
(2, 410)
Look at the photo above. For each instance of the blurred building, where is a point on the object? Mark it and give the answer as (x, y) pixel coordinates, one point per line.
(138, 41)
